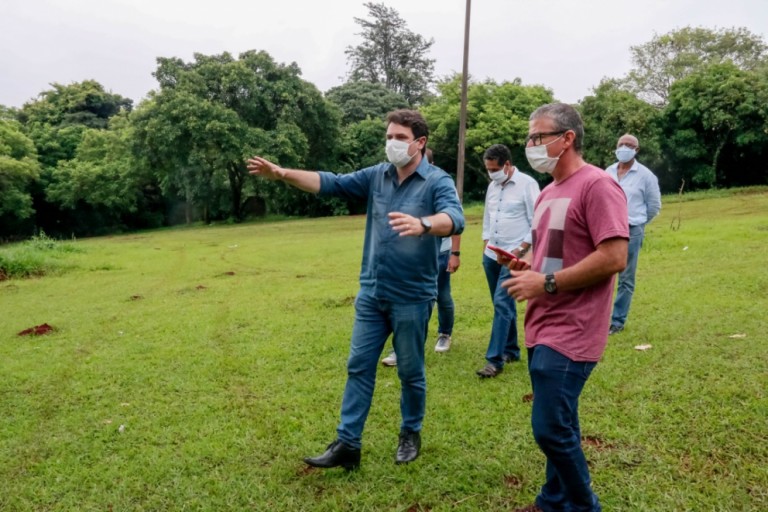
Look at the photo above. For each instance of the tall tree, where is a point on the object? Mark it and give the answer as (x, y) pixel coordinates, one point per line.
(211, 114)
(716, 127)
(102, 188)
(392, 55)
(670, 57)
(57, 119)
(608, 113)
(359, 100)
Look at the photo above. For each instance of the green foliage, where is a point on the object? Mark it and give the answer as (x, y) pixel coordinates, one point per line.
(85, 103)
(362, 144)
(392, 55)
(496, 114)
(670, 57)
(224, 362)
(609, 113)
(360, 100)
(19, 168)
(715, 127)
(213, 113)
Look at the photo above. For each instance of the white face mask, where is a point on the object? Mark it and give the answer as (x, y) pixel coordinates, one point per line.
(539, 158)
(625, 154)
(397, 152)
(498, 176)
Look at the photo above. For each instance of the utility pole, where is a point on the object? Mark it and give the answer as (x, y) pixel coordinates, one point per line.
(463, 110)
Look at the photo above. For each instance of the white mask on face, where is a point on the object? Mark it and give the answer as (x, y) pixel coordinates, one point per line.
(539, 158)
(624, 154)
(397, 152)
(498, 176)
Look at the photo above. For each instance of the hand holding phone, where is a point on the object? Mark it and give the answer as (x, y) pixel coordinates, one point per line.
(502, 252)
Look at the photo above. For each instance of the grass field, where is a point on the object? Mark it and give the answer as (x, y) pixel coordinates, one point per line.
(192, 369)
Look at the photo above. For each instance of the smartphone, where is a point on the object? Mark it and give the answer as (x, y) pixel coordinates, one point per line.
(499, 250)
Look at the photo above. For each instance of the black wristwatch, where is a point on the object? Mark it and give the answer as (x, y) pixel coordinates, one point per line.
(426, 224)
(456, 253)
(550, 286)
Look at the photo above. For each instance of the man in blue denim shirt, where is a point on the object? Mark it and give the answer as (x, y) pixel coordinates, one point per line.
(411, 205)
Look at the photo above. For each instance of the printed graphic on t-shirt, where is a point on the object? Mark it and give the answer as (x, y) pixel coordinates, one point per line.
(548, 229)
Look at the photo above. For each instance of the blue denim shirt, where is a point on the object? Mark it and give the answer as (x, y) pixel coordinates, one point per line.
(394, 267)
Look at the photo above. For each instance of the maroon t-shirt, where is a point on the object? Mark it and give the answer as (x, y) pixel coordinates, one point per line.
(572, 217)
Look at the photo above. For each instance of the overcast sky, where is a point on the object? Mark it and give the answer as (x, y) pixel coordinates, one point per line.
(566, 45)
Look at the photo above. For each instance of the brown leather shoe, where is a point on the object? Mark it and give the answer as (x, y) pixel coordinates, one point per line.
(337, 454)
(489, 371)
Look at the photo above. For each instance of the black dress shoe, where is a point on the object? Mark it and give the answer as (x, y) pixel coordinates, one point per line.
(337, 454)
(408, 448)
(489, 371)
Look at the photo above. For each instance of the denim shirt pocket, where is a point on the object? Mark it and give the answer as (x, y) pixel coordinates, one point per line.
(416, 207)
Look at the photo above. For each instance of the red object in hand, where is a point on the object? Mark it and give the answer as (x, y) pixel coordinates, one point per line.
(502, 252)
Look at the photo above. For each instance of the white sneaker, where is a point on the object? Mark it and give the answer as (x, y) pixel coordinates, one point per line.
(390, 360)
(443, 343)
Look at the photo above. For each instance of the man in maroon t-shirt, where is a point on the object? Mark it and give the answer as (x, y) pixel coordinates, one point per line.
(580, 238)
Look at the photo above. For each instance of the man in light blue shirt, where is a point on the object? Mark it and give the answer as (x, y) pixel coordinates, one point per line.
(507, 220)
(641, 187)
(412, 205)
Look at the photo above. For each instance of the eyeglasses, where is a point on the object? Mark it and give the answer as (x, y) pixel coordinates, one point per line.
(536, 137)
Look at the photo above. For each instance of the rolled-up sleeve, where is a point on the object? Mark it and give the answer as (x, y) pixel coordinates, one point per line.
(447, 201)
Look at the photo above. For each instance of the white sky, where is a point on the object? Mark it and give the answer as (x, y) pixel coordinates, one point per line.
(566, 45)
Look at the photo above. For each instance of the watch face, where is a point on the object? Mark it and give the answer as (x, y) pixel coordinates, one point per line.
(549, 284)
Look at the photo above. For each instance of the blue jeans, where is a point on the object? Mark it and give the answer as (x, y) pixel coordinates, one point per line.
(557, 383)
(375, 320)
(504, 329)
(626, 285)
(445, 308)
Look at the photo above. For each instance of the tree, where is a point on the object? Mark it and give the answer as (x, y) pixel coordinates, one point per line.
(496, 114)
(57, 122)
(211, 114)
(611, 112)
(716, 126)
(673, 56)
(392, 55)
(18, 170)
(102, 189)
(360, 100)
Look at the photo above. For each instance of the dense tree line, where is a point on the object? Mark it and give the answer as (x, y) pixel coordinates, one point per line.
(80, 160)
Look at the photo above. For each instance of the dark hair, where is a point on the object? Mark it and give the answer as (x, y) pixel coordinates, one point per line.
(498, 152)
(411, 119)
(565, 118)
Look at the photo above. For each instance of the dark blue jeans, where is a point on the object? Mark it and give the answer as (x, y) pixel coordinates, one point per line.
(557, 383)
(375, 320)
(445, 308)
(504, 329)
(626, 287)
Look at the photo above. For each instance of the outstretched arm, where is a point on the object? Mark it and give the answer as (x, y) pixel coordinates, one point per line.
(308, 181)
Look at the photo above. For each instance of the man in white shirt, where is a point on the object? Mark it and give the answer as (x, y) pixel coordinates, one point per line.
(641, 187)
(509, 203)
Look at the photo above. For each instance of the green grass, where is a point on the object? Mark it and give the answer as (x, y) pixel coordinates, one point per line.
(221, 351)
(39, 256)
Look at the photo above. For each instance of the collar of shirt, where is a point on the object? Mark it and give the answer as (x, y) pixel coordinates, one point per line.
(511, 179)
(421, 169)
